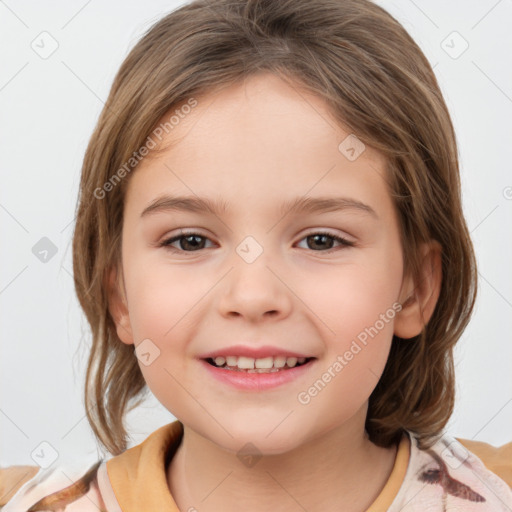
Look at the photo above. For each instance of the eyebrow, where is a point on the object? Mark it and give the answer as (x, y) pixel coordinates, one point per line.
(300, 205)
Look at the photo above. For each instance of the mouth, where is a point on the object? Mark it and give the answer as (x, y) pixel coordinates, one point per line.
(263, 365)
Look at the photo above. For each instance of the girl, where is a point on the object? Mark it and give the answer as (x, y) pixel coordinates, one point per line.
(239, 136)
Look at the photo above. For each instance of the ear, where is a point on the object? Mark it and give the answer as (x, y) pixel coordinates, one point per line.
(118, 306)
(419, 298)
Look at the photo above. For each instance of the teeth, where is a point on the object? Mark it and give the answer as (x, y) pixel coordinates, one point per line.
(219, 361)
(279, 361)
(266, 362)
(262, 365)
(291, 361)
(231, 360)
(246, 362)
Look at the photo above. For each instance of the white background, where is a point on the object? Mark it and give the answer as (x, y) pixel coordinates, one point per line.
(49, 108)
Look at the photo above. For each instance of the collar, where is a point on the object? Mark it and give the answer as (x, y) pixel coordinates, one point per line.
(143, 467)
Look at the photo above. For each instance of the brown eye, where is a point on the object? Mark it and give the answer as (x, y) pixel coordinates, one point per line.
(323, 242)
(189, 242)
(193, 242)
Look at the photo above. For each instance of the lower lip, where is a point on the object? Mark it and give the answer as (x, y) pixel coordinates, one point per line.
(257, 381)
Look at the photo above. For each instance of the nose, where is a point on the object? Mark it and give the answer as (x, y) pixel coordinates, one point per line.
(255, 290)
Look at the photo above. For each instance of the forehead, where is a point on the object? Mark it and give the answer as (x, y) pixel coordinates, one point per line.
(262, 134)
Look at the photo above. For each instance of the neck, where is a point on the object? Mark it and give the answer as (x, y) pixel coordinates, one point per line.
(340, 469)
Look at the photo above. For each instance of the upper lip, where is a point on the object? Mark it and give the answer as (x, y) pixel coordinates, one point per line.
(254, 352)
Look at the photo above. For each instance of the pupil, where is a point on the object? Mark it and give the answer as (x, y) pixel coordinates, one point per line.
(316, 237)
(189, 240)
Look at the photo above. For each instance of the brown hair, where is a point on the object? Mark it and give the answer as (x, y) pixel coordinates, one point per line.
(377, 82)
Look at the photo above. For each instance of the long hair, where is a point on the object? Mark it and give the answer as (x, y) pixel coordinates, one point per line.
(377, 83)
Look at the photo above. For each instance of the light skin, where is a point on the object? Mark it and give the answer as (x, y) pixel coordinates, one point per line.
(255, 145)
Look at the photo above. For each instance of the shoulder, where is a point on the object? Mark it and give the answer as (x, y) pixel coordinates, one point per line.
(451, 474)
(12, 478)
(496, 459)
(31, 488)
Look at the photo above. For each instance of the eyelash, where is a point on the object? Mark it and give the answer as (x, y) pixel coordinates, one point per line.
(166, 243)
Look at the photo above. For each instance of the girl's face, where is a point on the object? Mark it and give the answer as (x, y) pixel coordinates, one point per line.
(255, 274)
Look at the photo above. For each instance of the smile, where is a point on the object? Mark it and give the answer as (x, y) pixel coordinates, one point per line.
(247, 374)
(263, 365)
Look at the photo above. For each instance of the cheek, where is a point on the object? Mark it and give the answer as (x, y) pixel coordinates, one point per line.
(161, 297)
(357, 306)
(353, 297)
(357, 316)
(161, 310)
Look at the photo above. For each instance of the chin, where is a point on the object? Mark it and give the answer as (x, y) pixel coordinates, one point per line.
(249, 448)
(264, 438)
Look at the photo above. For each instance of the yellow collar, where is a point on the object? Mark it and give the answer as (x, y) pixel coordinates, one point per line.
(138, 476)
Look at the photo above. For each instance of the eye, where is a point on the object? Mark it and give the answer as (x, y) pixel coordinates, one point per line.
(319, 239)
(192, 242)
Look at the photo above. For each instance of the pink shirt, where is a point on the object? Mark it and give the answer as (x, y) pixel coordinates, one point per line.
(446, 477)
